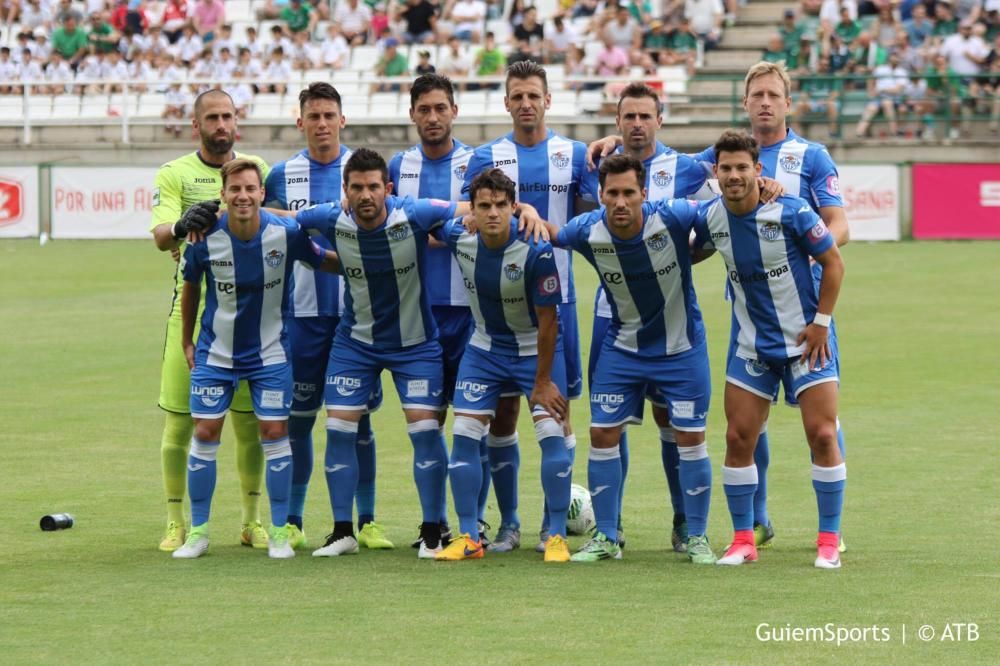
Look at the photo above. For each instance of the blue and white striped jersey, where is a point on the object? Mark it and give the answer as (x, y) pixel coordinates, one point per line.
(654, 310)
(804, 168)
(413, 174)
(246, 284)
(385, 304)
(295, 184)
(505, 285)
(669, 175)
(549, 176)
(767, 260)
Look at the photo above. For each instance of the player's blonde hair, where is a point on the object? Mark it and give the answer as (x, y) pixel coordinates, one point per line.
(237, 165)
(765, 68)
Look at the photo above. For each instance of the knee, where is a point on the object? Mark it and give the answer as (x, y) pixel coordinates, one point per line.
(822, 435)
(273, 430)
(207, 431)
(740, 439)
(605, 438)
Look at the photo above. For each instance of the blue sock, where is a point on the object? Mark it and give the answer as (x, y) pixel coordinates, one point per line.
(365, 494)
(740, 484)
(442, 499)
(557, 474)
(505, 460)
(604, 475)
(300, 438)
(829, 484)
(671, 468)
(570, 441)
(201, 479)
(841, 444)
(430, 467)
(761, 458)
(278, 477)
(341, 466)
(623, 452)
(465, 472)
(571, 447)
(696, 479)
(484, 486)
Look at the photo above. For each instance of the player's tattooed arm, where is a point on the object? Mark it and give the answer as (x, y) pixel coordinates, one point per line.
(545, 392)
(815, 336)
(601, 148)
(190, 299)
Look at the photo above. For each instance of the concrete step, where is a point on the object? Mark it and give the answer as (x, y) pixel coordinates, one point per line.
(711, 88)
(747, 37)
(762, 13)
(737, 60)
(705, 112)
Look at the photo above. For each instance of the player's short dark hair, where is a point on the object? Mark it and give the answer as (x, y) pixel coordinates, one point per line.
(319, 90)
(240, 164)
(621, 163)
(425, 83)
(639, 90)
(736, 141)
(366, 159)
(525, 69)
(199, 101)
(494, 180)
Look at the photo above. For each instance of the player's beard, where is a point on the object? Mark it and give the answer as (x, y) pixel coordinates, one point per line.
(218, 145)
(441, 139)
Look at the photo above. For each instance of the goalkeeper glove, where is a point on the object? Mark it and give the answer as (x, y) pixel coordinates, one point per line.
(198, 217)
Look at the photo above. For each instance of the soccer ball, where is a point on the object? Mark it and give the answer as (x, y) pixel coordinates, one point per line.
(580, 519)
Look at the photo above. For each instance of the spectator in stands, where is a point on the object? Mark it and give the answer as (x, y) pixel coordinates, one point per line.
(420, 21)
(531, 32)
(468, 17)
(918, 107)
(380, 20)
(241, 92)
(224, 40)
(584, 8)
(490, 62)
(918, 27)
(71, 41)
(885, 92)
(299, 17)
(520, 53)
(153, 10)
(656, 42)
(189, 46)
(558, 38)
(641, 11)
(271, 10)
(175, 17)
(29, 69)
(575, 66)
(202, 69)
(277, 72)
(57, 73)
(965, 51)
(88, 74)
(35, 14)
(991, 86)
(251, 67)
(102, 36)
(623, 30)
(169, 69)
(176, 103)
(517, 9)
(334, 51)
(706, 18)
(67, 9)
(848, 29)
(612, 60)
(829, 13)
(776, 52)
(391, 64)
(790, 31)
(819, 93)
(945, 23)
(684, 43)
(950, 94)
(455, 63)
(207, 16)
(885, 27)
(141, 68)
(355, 19)
(424, 65)
(224, 65)
(968, 10)
(8, 71)
(278, 38)
(494, 9)
(301, 54)
(113, 71)
(252, 45)
(156, 41)
(131, 45)
(10, 10)
(909, 57)
(124, 16)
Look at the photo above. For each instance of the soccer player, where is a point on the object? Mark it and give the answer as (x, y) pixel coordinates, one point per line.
(312, 177)
(435, 169)
(641, 252)
(550, 173)
(245, 260)
(513, 287)
(780, 336)
(180, 185)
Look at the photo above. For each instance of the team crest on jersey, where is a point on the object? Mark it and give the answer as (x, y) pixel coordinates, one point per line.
(657, 241)
(559, 160)
(273, 258)
(399, 231)
(770, 231)
(513, 272)
(662, 178)
(460, 170)
(790, 163)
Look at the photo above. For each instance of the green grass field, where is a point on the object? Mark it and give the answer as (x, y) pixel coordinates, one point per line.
(82, 326)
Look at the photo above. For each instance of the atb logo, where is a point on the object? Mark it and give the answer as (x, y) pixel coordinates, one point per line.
(345, 386)
(209, 395)
(790, 163)
(460, 170)
(273, 258)
(608, 402)
(658, 241)
(770, 231)
(11, 202)
(662, 178)
(513, 272)
(549, 285)
(472, 391)
(559, 160)
(756, 368)
(399, 231)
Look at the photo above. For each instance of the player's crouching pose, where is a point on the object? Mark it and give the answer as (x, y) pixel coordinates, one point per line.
(642, 256)
(245, 259)
(780, 336)
(513, 288)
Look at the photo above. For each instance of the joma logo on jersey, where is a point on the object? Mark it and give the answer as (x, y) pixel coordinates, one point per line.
(500, 163)
(205, 181)
(273, 258)
(559, 160)
(350, 235)
(513, 272)
(657, 242)
(296, 179)
(219, 262)
(790, 163)
(770, 231)
(720, 234)
(399, 231)
(662, 178)
(603, 250)
(404, 176)
(465, 255)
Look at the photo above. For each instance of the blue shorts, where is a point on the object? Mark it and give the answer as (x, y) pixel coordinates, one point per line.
(455, 325)
(484, 376)
(762, 378)
(600, 332)
(571, 350)
(620, 381)
(353, 373)
(212, 390)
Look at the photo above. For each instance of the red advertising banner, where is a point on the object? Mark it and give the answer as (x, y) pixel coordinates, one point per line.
(956, 201)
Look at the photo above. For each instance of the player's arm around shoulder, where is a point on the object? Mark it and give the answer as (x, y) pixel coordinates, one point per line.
(192, 268)
(702, 246)
(825, 186)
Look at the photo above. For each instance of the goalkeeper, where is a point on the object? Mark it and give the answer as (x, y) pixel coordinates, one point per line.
(180, 185)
